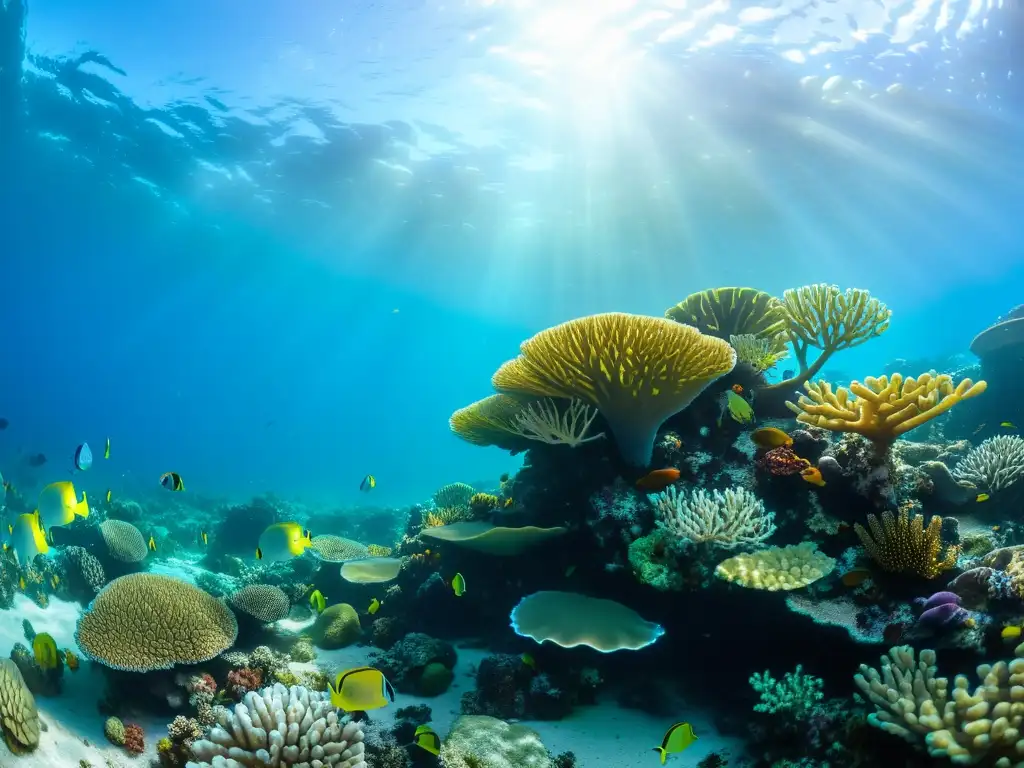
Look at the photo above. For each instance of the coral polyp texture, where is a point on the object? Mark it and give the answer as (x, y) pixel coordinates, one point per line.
(19, 719)
(979, 727)
(725, 312)
(777, 568)
(993, 466)
(336, 549)
(636, 370)
(733, 519)
(143, 621)
(280, 726)
(882, 408)
(901, 543)
(124, 541)
(570, 619)
(263, 602)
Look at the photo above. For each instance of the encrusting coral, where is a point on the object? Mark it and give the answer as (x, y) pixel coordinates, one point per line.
(733, 519)
(143, 621)
(281, 727)
(902, 544)
(882, 409)
(970, 728)
(636, 370)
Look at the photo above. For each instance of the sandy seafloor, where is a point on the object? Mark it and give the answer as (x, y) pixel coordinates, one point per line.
(601, 736)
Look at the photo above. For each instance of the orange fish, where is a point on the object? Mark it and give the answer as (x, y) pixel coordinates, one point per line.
(856, 577)
(658, 479)
(737, 388)
(812, 475)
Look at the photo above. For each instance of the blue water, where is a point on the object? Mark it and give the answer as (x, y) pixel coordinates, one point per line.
(272, 248)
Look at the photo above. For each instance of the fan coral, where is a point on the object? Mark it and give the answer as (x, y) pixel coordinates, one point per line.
(263, 602)
(902, 544)
(737, 518)
(282, 727)
(546, 421)
(490, 422)
(994, 465)
(636, 370)
(124, 541)
(143, 622)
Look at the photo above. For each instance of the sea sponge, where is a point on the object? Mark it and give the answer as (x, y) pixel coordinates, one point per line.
(144, 621)
(994, 465)
(124, 541)
(724, 312)
(281, 727)
(570, 619)
(777, 568)
(883, 408)
(263, 602)
(636, 370)
(902, 544)
(337, 627)
(479, 741)
(19, 719)
(336, 549)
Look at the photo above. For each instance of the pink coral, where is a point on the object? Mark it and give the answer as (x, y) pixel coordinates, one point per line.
(243, 680)
(134, 738)
(203, 683)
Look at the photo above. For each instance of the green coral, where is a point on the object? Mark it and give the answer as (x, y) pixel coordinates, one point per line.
(113, 729)
(653, 564)
(797, 694)
(434, 679)
(336, 627)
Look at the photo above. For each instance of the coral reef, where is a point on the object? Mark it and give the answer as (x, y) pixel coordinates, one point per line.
(337, 627)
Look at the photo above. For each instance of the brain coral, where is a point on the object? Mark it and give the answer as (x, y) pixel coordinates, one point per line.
(264, 602)
(18, 715)
(336, 627)
(336, 549)
(144, 621)
(124, 541)
(479, 741)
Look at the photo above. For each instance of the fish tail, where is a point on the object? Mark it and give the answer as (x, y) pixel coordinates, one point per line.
(664, 754)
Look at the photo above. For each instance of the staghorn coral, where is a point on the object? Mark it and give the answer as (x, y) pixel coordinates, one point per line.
(636, 370)
(124, 541)
(882, 408)
(19, 719)
(761, 354)
(911, 701)
(797, 694)
(733, 519)
(263, 602)
(142, 622)
(777, 568)
(901, 544)
(726, 312)
(994, 465)
(281, 727)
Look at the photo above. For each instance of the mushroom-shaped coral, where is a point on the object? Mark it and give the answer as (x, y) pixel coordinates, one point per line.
(512, 423)
(143, 621)
(636, 370)
(882, 409)
(777, 568)
(336, 549)
(124, 541)
(371, 570)
(570, 619)
(492, 539)
(18, 717)
(902, 544)
(263, 602)
(281, 726)
(1003, 337)
(724, 312)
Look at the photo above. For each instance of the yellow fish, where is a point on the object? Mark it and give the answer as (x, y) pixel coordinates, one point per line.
(374, 606)
(282, 541)
(203, 538)
(44, 649)
(427, 739)
(54, 581)
(28, 538)
(1010, 633)
(106, 451)
(151, 545)
(109, 493)
(459, 585)
(361, 689)
(71, 659)
(21, 583)
(982, 497)
(317, 601)
(770, 437)
(59, 505)
(1007, 425)
(528, 661)
(677, 738)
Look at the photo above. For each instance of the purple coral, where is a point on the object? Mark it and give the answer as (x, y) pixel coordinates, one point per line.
(943, 610)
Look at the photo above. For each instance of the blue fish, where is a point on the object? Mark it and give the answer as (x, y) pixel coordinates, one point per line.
(83, 457)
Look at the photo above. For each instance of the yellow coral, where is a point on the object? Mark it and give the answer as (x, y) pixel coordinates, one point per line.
(144, 621)
(19, 719)
(636, 370)
(723, 312)
(454, 495)
(883, 408)
(777, 568)
(378, 550)
(902, 544)
(490, 421)
(482, 503)
(758, 353)
(445, 516)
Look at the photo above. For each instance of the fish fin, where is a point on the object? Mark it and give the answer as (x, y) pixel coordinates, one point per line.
(259, 553)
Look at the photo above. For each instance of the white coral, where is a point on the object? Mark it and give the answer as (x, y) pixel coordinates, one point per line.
(281, 727)
(994, 465)
(735, 518)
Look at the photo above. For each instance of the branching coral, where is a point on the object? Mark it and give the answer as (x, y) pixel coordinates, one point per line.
(796, 694)
(901, 544)
(636, 370)
(735, 518)
(761, 354)
(982, 727)
(544, 420)
(994, 465)
(882, 409)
